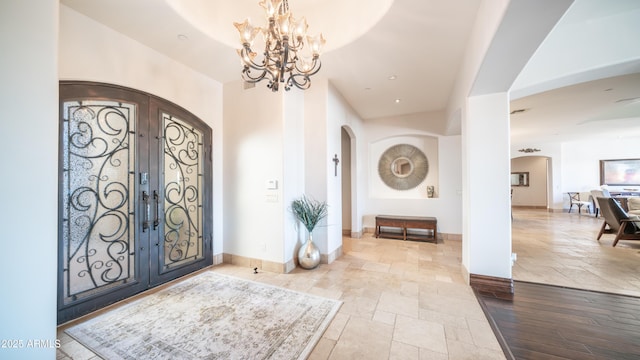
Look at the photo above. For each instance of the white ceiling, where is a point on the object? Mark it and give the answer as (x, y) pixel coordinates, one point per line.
(420, 42)
(606, 107)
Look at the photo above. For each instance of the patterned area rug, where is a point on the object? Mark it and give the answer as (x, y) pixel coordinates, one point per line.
(211, 316)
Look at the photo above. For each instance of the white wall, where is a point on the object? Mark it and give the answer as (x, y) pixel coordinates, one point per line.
(487, 233)
(345, 172)
(339, 115)
(552, 151)
(29, 184)
(575, 166)
(487, 22)
(93, 52)
(294, 170)
(290, 137)
(535, 194)
(505, 35)
(317, 160)
(351, 122)
(382, 200)
(253, 148)
(581, 161)
(426, 143)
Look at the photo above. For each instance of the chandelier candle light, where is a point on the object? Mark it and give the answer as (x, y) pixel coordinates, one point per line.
(290, 56)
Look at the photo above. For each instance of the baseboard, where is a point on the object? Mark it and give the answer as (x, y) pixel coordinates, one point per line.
(441, 235)
(529, 206)
(273, 266)
(258, 263)
(455, 237)
(289, 266)
(501, 287)
(551, 210)
(329, 258)
(465, 273)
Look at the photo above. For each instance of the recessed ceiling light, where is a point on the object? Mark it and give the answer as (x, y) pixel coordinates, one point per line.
(393, 77)
(518, 111)
(398, 101)
(367, 88)
(182, 37)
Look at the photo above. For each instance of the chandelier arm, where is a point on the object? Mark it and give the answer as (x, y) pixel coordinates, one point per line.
(246, 75)
(267, 70)
(296, 44)
(280, 57)
(317, 64)
(247, 61)
(302, 85)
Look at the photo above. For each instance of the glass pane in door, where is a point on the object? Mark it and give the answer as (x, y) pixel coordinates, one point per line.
(98, 155)
(183, 160)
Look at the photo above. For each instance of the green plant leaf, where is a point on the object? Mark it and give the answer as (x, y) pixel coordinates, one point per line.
(309, 211)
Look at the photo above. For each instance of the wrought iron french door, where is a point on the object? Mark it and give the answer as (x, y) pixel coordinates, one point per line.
(135, 195)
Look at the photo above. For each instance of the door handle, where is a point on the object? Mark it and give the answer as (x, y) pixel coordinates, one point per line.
(156, 220)
(147, 211)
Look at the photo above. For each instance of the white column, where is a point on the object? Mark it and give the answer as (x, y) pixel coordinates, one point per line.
(486, 186)
(29, 181)
(316, 158)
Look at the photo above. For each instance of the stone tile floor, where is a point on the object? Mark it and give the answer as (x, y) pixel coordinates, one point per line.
(408, 300)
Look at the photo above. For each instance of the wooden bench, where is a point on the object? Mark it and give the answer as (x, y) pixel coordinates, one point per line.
(404, 223)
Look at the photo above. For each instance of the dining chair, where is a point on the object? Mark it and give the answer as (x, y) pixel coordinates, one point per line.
(595, 194)
(574, 199)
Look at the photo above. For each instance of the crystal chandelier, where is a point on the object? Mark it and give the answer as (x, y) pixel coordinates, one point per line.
(290, 56)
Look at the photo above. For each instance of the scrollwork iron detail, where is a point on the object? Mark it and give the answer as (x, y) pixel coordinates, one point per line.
(97, 188)
(183, 173)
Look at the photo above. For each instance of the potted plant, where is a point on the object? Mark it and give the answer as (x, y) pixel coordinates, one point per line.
(309, 212)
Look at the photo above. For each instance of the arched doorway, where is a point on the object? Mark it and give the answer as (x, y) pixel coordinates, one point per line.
(348, 166)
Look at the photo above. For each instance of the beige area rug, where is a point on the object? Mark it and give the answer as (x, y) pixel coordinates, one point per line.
(211, 316)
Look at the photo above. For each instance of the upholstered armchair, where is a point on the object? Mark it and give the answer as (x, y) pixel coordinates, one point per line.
(633, 203)
(617, 221)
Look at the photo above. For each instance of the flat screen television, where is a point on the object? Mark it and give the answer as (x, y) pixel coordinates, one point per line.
(621, 172)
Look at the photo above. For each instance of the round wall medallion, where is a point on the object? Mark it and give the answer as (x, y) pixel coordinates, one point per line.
(403, 167)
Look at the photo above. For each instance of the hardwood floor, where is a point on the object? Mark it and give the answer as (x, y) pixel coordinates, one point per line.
(548, 317)
(551, 322)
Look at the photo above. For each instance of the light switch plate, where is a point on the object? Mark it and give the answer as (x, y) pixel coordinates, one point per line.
(272, 184)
